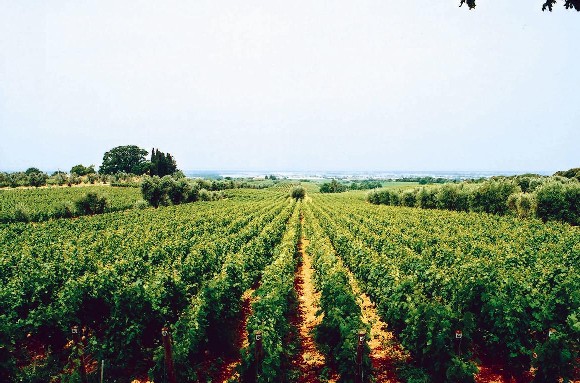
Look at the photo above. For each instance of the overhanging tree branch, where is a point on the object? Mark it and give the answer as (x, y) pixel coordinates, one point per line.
(549, 4)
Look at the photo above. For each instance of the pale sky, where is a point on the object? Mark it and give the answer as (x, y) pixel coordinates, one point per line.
(291, 85)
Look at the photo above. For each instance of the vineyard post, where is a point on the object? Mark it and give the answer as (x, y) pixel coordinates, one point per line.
(458, 337)
(359, 378)
(77, 341)
(259, 353)
(168, 355)
(102, 369)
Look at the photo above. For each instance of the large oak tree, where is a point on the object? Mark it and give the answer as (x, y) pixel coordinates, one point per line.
(127, 159)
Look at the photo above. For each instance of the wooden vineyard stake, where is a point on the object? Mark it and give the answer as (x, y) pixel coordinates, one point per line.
(259, 353)
(458, 337)
(361, 337)
(80, 349)
(168, 355)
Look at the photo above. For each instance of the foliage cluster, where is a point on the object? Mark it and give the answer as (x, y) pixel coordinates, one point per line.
(81, 170)
(31, 177)
(167, 191)
(161, 164)
(333, 187)
(553, 198)
(34, 205)
(125, 159)
(341, 321)
(276, 297)
(570, 173)
(90, 204)
(122, 276)
(131, 159)
(503, 282)
(59, 178)
(548, 4)
(208, 323)
(298, 192)
(365, 185)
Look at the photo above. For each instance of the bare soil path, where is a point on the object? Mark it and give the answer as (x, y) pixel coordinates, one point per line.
(227, 369)
(310, 362)
(385, 352)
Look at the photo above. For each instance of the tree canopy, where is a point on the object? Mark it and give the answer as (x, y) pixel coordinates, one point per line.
(162, 164)
(571, 173)
(127, 159)
(81, 170)
(548, 4)
(332, 187)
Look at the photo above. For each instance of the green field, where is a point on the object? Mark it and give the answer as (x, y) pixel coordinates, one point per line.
(41, 204)
(216, 272)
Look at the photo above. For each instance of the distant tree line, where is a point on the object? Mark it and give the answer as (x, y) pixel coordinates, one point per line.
(548, 198)
(122, 163)
(572, 173)
(131, 159)
(176, 189)
(32, 177)
(36, 178)
(335, 186)
(167, 190)
(424, 180)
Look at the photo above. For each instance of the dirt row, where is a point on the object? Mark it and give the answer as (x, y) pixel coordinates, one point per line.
(309, 361)
(311, 365)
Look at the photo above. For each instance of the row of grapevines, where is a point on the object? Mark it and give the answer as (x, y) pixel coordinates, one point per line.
(46, 203)
(209, 321)
(342, 315)
(502, 281)
(276, 297)
(528, 287)
(122, 275)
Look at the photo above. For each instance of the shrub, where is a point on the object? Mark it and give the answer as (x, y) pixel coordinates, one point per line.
(333, 187)
(205, 195)
(512, 202)
(298, 193)
(21, 213)
(492, 196)
(37, 179)
(141, 204)
(151, 191)
(409, 198)
(178, 191)
(460, 371)
(526, 205)
(447, 197)
(557, 201)
(555, 359)
(426, 198)
(65, 209)
(91, 204)
(373, 197)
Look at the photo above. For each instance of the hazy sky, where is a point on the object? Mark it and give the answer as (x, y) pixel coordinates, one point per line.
(291, 85)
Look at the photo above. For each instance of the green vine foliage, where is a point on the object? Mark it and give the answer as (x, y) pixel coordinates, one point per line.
(500, 280)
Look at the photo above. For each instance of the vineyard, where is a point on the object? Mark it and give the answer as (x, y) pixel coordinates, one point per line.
(208, 292)
(42, 204)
